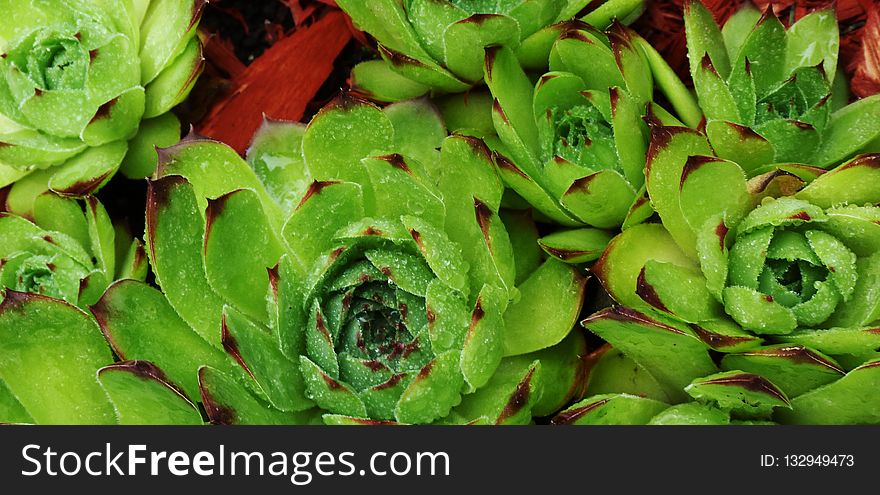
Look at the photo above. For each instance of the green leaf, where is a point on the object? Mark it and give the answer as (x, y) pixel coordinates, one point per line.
(667, 81)
(611, 409)
(626, 11)
(556, 291)
(468, 114)
(507, 399)
(483, 344)
(465, 42)
(563, 372)
(630, 135)
(740, 144)
(523, 233)
(513, 93)
(376, 80)
(765, 49)
(49, 354)
(715, 96)
(433, 392)
(116, 120)
(668, 351)
(341, 135)
(612, 372)
(88, 171)
(839, 342)
(310, 231)
(141, 395)
(794, 369)
(11, 411)
(576, 246)
(140, 324)
(691, 414)
(386, 21)
(632, 62)
(419, 131)
(188, 158)
(668, 154)
(423, 71)
(102, 236)
(228, 402)
(430, 20)
(619, 267)
(54, 212)
(678, 291)
(852, 182)
(174, 83)
(793, 141)
(744, 393)
(704, 38)
(812, 40)
(601, 199)
(240, 245)
(329, 393)
(712, 187)
(851, 396)
(275, 155)
(175, 238)
(738, 27)
(839, 260)
(850, 129)
(399, 187)
(758, 312)
(256, 350)
(167, 27)
(586, 54)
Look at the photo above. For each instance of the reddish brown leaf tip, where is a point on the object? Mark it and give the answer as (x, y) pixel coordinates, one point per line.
(751, 382)
(397, 161)
(84, 187)
(648, 293)
(314, 190)
(230, 345)
(797, 354)
(519, 399)
(104, 110)
(627, 315)
(717, 340)
(572, 415)
(484, 220)
(693, 164)
(218, 414)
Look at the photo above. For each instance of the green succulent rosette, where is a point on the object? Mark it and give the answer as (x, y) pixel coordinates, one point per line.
(573, 145)
(431, 46)
(85, 89)
(333, 275)
(774, 95)
(70, 250)
(781, 277)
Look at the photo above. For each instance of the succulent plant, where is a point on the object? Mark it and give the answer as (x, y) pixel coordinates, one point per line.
(738, 262)
(573, 145)
(70, 251)
(85, 88)
(334, 274)
(660, 371)
(769, 93)
(437, 46)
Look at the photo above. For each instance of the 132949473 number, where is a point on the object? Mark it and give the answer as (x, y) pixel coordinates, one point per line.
(818, 460)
